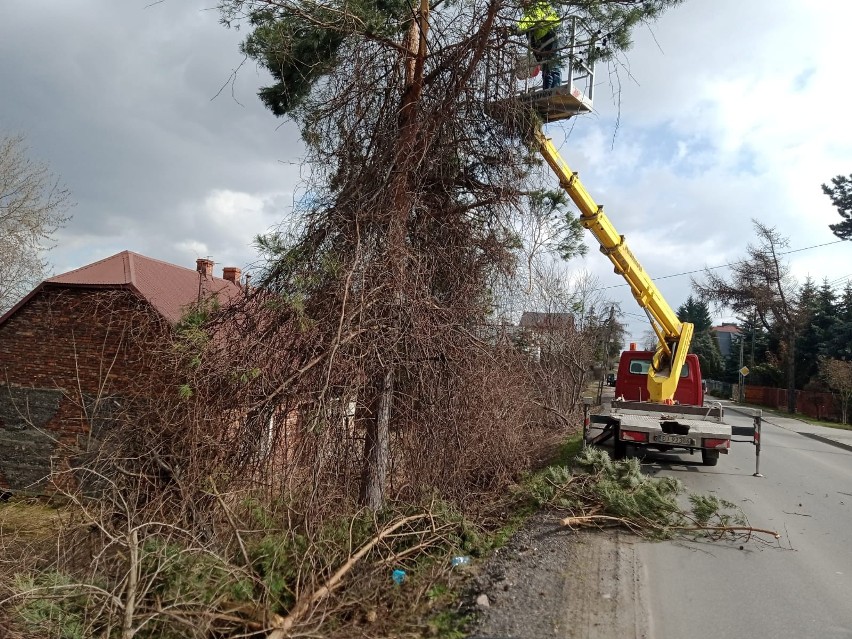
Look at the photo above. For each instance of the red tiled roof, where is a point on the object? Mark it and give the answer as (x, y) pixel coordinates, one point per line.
(726, 328)
(167, 287)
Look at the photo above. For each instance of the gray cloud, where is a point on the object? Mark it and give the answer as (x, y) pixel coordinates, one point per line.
(722, 111)
(118, 98)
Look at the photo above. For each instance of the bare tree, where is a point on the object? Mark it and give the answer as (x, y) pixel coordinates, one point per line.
(567, 348)
(33, 206)
(838, 376)
(761, 284)
(649, 340)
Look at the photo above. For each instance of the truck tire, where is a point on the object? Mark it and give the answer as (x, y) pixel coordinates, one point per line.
(619, 448)
(709, 457)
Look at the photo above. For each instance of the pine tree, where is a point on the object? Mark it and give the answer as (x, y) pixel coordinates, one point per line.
(756, 341)
(412, 184)
(759, 347)
(761, 284)
(807, 341)
(817, 337)
(703, 344)
(840, 342)
(841, 197)
(696, 312)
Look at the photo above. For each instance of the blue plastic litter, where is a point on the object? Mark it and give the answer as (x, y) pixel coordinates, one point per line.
(460, 560)
(398, 576)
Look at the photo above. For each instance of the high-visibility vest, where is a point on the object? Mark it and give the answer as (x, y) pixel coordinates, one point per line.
(540, 18)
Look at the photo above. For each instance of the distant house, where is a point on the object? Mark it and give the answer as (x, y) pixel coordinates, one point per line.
(76, 340)
(540, 333)
(724, 334)
(543, 322)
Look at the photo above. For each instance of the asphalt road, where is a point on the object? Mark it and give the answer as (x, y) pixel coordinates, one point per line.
(798, 587)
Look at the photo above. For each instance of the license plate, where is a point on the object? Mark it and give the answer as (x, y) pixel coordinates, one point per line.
(674, 439)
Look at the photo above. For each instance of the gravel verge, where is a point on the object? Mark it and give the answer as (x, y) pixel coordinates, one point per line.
(549, 581)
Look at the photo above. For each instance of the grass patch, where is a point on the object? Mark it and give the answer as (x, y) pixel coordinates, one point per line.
(28, 519)
(568, 451)
(802, 418)
(448, 624)
(820, 422)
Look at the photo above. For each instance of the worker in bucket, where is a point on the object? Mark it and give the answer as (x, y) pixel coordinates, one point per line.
(540, 23)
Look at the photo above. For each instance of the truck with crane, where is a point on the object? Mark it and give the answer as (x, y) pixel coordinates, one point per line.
(671, 414)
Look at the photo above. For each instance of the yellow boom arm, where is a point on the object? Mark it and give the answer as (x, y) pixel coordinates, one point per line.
(674, 336)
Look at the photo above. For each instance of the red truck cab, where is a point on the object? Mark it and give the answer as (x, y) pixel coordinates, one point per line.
(632, 380)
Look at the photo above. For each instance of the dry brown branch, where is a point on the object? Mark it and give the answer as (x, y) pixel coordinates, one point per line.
(236, 530)
(582, 520)
(575, 521)
(282, 625)
(723, 529)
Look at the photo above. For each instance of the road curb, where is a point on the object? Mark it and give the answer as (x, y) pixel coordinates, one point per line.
(773, 418)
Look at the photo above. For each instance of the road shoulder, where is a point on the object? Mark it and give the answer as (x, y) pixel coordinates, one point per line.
(549, 581)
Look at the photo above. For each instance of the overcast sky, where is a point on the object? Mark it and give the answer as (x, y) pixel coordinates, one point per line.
(729, 110)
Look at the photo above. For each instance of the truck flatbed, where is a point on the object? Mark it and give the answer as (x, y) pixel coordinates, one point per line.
(663, 427)
(655, 423)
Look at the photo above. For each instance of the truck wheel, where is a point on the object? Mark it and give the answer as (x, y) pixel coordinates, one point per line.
(709, 457)
(619, 448)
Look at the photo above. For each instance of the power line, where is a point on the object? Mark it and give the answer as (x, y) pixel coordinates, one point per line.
(810, 247)
(840, 279)
(713, 268)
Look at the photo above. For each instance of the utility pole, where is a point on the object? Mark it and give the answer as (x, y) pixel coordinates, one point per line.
(753, 326)
(742, 377)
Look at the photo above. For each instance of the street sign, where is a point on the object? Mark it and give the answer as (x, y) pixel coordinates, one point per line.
(744, 371)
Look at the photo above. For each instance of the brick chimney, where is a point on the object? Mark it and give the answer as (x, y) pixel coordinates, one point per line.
(232, 274)
(204, 266)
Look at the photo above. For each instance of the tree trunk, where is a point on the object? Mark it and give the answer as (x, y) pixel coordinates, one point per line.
(791, 373)
(376, 446)
(377, 441)
(130, 593)
(410, 149)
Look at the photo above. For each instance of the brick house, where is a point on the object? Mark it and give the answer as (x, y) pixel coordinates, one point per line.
(74, 342)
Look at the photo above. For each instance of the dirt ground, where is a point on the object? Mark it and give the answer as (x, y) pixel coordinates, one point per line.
(26, 526)
(551, 582)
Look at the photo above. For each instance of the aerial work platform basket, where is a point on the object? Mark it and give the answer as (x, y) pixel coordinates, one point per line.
(558, 103)
(574, 96)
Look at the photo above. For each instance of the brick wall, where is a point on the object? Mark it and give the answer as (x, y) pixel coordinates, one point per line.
(63, 355)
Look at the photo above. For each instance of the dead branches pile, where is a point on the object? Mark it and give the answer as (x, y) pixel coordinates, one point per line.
(153, 580)
(218, 493)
